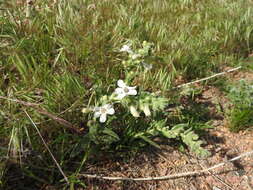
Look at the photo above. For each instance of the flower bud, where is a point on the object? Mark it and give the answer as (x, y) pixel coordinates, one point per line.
(134, 112)
(86, 110)
(146, 110)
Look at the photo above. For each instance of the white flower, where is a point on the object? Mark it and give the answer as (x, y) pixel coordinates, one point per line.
(124, 90)
(102, 111)
(147, 66)
(126, 48)
(135, 55)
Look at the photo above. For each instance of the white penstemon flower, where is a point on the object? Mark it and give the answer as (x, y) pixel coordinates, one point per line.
(126, 48)
(124, 90)
(147, 66)
(135, 55)
(102, 111)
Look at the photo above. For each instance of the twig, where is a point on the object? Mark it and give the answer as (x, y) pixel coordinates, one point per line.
(58, 114)
(45, 144)
(20, 101)
(248, 182)
(218, 179)
(206, 78)
(167, 177)
(44, 112)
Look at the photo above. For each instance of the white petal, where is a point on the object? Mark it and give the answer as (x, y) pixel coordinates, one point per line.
(97, 114)
(130, 51)
(110, 111)
(147, 66)
(121, 83)
(96, 109)
(107, 106)
(121, 96)
(119, 91)
(131, 87)
(135, 56)
(102, 118)
(132, 92)
(125, 48)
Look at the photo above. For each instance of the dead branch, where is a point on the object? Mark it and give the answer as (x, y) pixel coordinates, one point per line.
(207, 78)
(45, 144)
(44, 112)
(167, 177)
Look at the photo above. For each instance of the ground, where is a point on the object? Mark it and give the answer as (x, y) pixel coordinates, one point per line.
(64, 55)
(222, 143)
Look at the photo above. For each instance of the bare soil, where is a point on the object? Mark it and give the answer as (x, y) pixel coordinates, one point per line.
(222, 143)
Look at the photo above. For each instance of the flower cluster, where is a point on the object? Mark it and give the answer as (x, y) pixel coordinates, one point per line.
(134, 56)
(123, 89)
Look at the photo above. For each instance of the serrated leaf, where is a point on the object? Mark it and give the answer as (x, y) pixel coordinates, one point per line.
(174, 132)
(192, 140)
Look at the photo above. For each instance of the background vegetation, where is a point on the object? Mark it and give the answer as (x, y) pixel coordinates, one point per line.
(59, 54)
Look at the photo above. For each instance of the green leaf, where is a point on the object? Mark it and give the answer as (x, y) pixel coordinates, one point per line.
(192, 140)
(174, 132)
(111, 133)
(80, 146)
(149, 141)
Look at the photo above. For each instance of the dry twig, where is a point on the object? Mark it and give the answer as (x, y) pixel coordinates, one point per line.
(218, 179)
(207, 78)
(44, 112)
(167, 177)
(45, 144)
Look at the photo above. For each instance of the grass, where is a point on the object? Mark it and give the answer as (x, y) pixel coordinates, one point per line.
(240, 114)
(66, 53)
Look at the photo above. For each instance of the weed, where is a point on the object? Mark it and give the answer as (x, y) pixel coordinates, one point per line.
(63, 55)
(241, 97)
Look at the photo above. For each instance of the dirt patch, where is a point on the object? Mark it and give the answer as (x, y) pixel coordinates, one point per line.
(222, 143)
